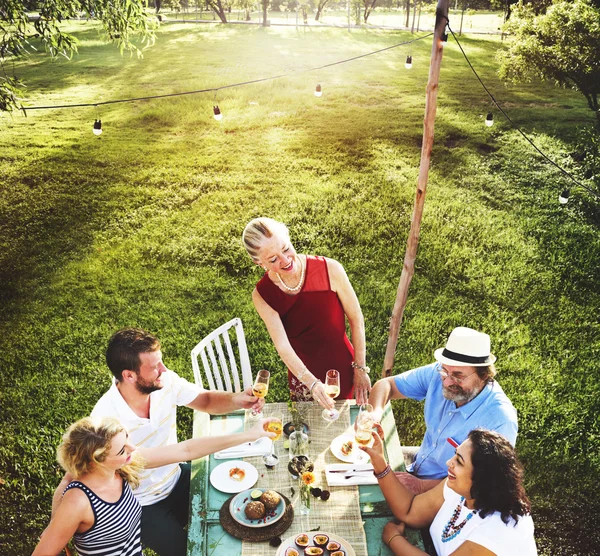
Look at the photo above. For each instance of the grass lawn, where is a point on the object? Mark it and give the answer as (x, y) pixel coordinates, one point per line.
(141, 227)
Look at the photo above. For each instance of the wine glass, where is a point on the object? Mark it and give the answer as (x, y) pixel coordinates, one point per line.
(332, 389)
(276, 426)
(364, 424)
(260, 388)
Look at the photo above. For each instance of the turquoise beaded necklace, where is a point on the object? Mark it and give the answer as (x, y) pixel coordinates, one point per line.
(451, 530)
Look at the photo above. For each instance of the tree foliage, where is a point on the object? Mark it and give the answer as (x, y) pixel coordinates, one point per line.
(21, 31)
(561, 45)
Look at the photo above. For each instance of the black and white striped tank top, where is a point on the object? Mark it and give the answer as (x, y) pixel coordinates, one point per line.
(117, 525)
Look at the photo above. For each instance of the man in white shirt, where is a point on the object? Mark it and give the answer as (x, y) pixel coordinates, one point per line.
(144, 397)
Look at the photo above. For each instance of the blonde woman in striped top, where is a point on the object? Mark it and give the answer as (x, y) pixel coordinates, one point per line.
(98, 510)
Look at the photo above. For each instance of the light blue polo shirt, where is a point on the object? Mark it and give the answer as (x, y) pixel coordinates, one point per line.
(491, 409)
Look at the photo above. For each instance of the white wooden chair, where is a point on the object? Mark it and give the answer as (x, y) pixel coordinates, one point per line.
(219, 359)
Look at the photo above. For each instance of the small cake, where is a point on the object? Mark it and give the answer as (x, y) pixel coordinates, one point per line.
(255, 510)
(347, 447)
(270, 499)
(237, 474)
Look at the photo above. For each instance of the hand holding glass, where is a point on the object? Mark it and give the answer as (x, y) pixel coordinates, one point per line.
(332, 389)
(260, 388)
(364, 424)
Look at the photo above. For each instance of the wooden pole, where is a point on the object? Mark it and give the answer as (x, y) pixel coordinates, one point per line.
(412, 244)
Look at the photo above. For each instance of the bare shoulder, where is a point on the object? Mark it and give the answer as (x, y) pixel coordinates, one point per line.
(337, 274)
(75, 499)
(469, 548)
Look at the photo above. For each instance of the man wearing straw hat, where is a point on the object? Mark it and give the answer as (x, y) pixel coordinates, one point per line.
(460, 395)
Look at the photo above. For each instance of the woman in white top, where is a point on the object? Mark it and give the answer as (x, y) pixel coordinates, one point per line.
(481, 509)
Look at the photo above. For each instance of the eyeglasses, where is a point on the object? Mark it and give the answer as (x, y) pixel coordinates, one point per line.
(457, 380)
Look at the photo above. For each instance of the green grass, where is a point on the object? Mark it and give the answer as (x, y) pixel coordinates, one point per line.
(141, 227)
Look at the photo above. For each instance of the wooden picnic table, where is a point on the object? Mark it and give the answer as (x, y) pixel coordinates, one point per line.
(206, 536)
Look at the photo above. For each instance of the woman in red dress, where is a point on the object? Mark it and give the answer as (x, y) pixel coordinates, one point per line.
(304, 301)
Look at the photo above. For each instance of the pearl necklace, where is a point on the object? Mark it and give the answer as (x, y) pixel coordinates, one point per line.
(299, 285)
(451, 530)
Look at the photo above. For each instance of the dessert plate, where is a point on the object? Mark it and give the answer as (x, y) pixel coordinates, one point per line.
(233, 476)
(355, 456)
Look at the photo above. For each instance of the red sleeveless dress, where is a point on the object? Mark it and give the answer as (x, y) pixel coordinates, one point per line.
(315, 323)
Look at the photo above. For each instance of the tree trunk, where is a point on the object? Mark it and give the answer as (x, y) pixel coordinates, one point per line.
(265, 5)
(318, 14)
(412, 243)
(462, 15)
(407, 13)
(412, 29)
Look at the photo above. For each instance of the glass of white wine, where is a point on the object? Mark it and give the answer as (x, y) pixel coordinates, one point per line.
(332, 389)
(276, 426)
(260, 388)
(364, 424)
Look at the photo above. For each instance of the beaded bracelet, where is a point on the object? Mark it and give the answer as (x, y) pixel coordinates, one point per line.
(389, 543)
(383, 473)
(358, 367)
(301, 374)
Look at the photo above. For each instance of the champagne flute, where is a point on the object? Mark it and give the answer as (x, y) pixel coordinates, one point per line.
(332, 389)
(364, 424)
(260, 388)
(276, 426)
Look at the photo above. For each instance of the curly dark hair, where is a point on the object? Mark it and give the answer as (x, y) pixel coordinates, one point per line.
(497, 477)
(124, 348)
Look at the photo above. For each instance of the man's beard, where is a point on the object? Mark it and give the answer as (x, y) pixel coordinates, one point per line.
(146, 387)
(459, 395)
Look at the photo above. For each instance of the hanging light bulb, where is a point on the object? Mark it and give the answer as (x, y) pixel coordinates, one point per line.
(97, 129)
(563, 198)
(318, 91)
(408, 63)
(217, 113)
(489, 119)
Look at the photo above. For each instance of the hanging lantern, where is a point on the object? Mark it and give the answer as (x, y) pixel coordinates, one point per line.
(97, 129)
(489, 119)
(217, 113)
(563, 198)
(408, 63)
(318, 90)
(444, 38)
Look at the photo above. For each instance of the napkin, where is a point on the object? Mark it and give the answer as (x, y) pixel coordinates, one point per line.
(259, 447)
(339, 479)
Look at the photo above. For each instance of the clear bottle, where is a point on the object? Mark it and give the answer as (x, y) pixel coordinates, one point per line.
(298, 443)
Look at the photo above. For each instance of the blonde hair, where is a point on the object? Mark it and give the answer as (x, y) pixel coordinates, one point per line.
(259, 229)
(86, 444)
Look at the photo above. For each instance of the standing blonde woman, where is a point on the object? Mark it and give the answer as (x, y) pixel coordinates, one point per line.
(98, 509)
(304, 301)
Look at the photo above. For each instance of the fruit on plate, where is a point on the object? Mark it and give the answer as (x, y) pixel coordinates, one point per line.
(302, 540)
(333, 546)
(256, 494)
(347, 447)
(321, 540)
(237, 474)
(337, 553)
(255, 510)
(291, 551)
(313, 551)
(270, 499)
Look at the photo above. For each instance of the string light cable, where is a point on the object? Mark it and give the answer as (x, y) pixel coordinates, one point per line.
(515, 126)
(223, 87)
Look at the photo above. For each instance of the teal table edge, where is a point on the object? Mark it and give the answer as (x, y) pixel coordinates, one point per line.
(207, 538)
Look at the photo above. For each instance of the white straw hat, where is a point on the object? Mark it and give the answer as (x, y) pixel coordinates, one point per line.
(466, 347)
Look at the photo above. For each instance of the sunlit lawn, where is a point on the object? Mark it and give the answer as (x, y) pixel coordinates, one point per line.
(141, 227)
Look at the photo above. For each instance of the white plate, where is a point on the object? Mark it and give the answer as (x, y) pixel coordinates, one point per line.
(355, 456)
(220, 479)
(290, 541)
(238, 505)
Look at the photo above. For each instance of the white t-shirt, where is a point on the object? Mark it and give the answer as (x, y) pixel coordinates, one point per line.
(159, 430)
(491, 532)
